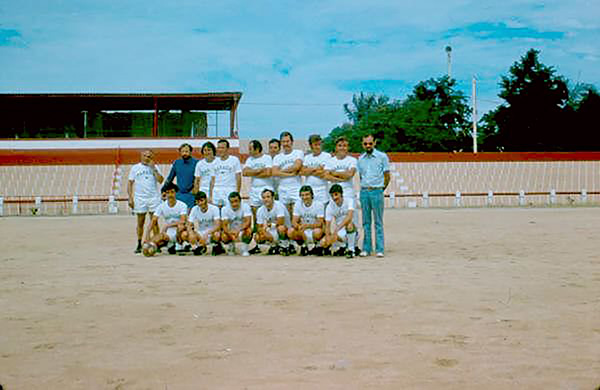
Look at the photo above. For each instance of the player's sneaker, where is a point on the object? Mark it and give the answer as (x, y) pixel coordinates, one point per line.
(379, 254)
(340, 252)
(245, 253)
(138, 249)
(171, 250)
(317, 251)
(231, 249)
(291, 249)
(198, 251)
(349, 254)
(364, 254)
(255, 250)
(217, 249)
(303, 250)
(326, 252)
(284, 251)
(187, 248)
(357, 251)
(274, 250)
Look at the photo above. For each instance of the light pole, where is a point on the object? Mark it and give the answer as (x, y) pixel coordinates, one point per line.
(449, 53)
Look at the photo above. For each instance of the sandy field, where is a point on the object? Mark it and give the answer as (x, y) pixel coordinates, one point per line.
(465, 298)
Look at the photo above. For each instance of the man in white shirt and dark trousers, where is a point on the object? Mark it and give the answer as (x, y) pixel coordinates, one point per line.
(374, 171)
(142, 189)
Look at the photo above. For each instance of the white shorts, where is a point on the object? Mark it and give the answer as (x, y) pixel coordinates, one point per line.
(172, 233)
(204, 234)
(142, 205)
(289, 195)
(256, 195)
(221, 195)
(273, 232)
(308, 233)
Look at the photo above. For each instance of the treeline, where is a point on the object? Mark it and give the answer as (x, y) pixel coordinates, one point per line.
(541, 111)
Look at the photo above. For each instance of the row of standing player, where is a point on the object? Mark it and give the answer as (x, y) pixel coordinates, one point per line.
(218, 174)
(316, 231)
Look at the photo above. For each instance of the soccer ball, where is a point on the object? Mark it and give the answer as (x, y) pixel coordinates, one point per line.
(149, 249)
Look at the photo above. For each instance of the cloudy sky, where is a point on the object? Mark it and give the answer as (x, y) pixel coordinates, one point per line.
(296, 62)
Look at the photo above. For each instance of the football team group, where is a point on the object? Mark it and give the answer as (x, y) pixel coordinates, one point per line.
(297, 202)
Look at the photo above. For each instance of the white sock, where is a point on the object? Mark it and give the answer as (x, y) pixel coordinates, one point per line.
(351, 241)
(285, 243)
(244, 247)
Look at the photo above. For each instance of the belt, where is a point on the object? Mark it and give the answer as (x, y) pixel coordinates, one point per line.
(371, 188)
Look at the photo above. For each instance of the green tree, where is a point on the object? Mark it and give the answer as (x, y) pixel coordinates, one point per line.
(533, 114)
(434, 117)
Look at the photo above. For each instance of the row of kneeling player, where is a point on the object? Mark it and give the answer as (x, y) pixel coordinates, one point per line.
(317, 229)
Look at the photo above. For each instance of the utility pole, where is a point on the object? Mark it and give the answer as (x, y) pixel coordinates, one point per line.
(449, 53)
(474, 115)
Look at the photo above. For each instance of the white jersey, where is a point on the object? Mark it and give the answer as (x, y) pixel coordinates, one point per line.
(225, 171)
(206, 219)
(146, 185)
(313, 161)
(308, 214)
(285, 161)
(235, 217)
(171, 214)
(347, 163)
(262, 162)
(264, 215)
(204, 170)
(338, 213)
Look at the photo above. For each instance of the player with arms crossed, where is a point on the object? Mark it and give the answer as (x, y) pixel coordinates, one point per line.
(313, 168)
(287, 166)
(307, 222)
(209, 224)
(227, 175)
(174, 212)
(341, 168)
(144, 177)
(203, 173)
(341, 210)
(258, 168)
(273, 222)
(237, 224)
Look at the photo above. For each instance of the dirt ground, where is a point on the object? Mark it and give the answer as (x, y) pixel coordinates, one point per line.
(465, 298)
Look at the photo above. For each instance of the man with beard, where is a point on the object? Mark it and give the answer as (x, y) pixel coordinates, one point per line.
(183, 169)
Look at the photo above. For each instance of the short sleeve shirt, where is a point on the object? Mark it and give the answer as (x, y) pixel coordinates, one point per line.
(338, 213)
(262, 162)
(285, 161)
(264, 215)
(204, 170)
(206, 219)
(171, 214)
(146, 185)
(372, 167)
(236, 216)
(336, 165)
(225, 171)
(308, 214)
(313, 161)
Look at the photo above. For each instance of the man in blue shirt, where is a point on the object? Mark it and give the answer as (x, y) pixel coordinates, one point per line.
(374, 171)
(183, 169)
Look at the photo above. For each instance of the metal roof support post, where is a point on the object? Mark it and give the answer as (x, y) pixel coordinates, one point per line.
(155, 124)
